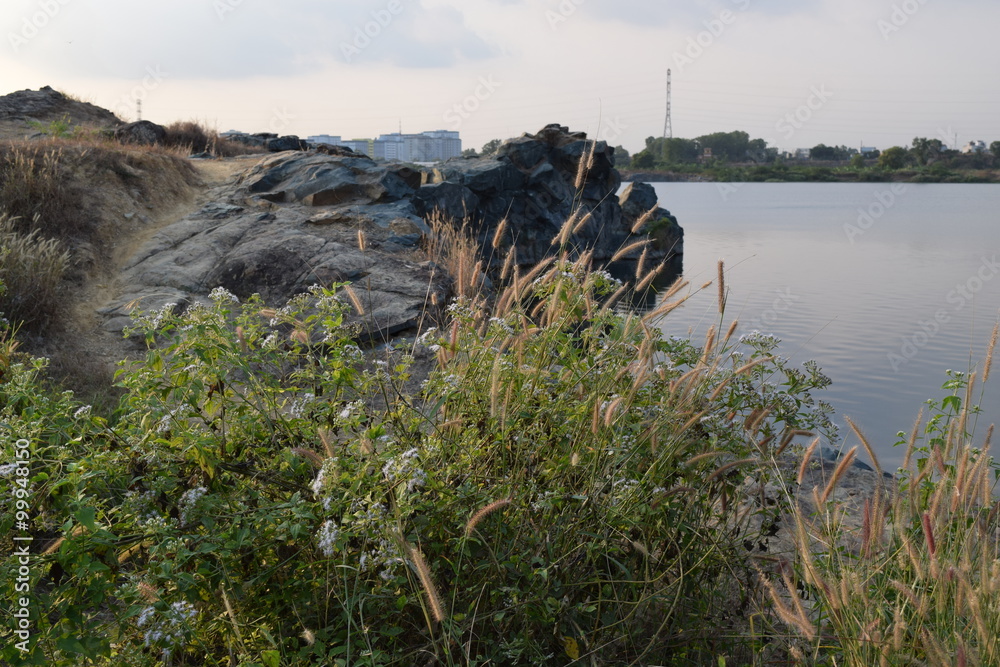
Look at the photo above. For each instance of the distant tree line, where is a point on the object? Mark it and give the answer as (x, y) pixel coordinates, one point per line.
(721, 148)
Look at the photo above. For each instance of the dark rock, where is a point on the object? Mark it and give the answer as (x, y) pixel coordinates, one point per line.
(49, 104)
(536, 183)
(142, 132)
(317, 179)
(337, 151)
(448, 200)
(286, 143)
(637, 199)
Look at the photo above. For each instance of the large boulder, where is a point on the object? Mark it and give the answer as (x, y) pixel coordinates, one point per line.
(318, 179)
(287, 143)
(245, 242)
(638, 202)
(536, 183)
(142, 132)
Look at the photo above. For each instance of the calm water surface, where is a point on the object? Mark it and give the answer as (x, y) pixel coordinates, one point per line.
(885, 306)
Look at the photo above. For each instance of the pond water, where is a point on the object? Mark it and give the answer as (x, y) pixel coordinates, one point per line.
(887, 286)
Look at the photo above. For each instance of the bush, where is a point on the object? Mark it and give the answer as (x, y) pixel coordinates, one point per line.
(566, 485)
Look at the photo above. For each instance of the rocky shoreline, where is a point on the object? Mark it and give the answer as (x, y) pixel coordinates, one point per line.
(293, 220)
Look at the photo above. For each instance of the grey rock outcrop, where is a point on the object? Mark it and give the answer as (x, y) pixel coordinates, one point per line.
(536, 182)
(142, 132)
(245, 242)
(287, 143)
(47, 103)
(294, 218)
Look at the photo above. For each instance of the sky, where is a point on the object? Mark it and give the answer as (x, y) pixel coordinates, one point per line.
(794, 72)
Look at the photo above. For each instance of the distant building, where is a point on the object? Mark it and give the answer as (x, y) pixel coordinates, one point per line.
(424, 147)
(868, 150)
(361, 146)
(974, 147)
(803, 153)
(329, 139)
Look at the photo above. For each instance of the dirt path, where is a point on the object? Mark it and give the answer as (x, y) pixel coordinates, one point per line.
(85, 353)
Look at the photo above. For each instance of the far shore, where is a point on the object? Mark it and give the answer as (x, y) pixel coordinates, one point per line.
(810, 174)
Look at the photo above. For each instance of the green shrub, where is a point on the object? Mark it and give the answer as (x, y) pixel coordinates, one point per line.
(566, 485)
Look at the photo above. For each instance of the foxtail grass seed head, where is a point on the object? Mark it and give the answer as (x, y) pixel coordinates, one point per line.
(354, 299)
(629, 249)
(925, 520)
(309, 455)
(424, 573)
(477, 518)
(644, 218)
(242, 338)
(498, 234)
(841, 469)
(722, 287)
(989, 352)
(362, 240)
(147, 592)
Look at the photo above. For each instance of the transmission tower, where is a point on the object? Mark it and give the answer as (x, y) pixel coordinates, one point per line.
(668, 128)
(138, 109)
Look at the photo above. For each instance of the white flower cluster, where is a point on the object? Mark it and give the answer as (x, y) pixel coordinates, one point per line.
(319, 484)
(327, 538)
(221, 294)
(352, 353)
(82, 412)
(188, 501)
(503, 326)
(297, 407)
(404, 467)
(157, 319)
(168, 629)
(385, 555)
(8, 469)
(350, 409)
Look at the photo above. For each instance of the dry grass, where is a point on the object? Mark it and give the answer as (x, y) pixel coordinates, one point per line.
(922, 585)
(31, 270)
(190, 137)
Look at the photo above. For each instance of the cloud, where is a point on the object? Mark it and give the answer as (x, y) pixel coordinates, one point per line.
(235, 39)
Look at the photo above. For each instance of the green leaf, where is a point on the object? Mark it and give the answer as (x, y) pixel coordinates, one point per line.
(86, 517)
(271, 658)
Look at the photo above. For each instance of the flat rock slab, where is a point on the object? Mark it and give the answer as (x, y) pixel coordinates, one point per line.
(249, 245)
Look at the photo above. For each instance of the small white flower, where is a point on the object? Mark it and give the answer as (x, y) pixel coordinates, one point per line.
(220, 294)
(82, 412)
(189, 500)
(327, 538)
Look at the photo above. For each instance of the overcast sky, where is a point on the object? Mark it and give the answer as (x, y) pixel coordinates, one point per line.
(795, 72)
